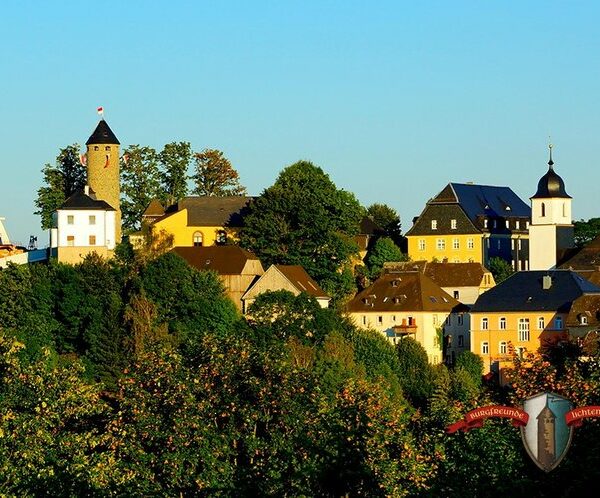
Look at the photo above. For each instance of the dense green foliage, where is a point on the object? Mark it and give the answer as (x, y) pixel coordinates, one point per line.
(304, 219)
(383, 251)
(388, 219)
(137, 377)
(586, 231)
(60, 181)
(500, 269)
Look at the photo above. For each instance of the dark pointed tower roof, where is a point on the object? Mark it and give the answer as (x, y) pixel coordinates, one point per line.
(102, 135)
(551, 185)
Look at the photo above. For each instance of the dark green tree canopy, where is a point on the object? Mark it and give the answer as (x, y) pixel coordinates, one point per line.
(305, 219)
(63, 179)
(140, 183)
(586, 231)
(174, 160)
(383, 251)
(500, 269)
(388, 219)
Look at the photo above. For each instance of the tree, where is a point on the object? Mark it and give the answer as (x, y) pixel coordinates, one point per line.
(500, 269)
(62, 180)
(415, 372)
(388, 219)
(473, 364)
(174, 161)
(384, 250)
(214, 175)
(140, 183)
(304, 219)
(586, 231)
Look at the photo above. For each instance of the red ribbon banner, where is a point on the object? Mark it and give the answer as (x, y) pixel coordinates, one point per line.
(475, 418)
(575, 417)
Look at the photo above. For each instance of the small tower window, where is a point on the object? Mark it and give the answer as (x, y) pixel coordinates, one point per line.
(96, 147)
(564, 209)
(543, 209)
(107, 147)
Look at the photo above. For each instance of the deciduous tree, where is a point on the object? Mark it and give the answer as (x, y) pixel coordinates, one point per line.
(174, 159)
(305, 219)
(60, 181)
(214, 175)
(140, 183)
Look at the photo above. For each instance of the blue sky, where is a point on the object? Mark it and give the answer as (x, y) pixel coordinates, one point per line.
(392, 99)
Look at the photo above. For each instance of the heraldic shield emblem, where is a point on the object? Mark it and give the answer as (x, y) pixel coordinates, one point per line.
(547, 436)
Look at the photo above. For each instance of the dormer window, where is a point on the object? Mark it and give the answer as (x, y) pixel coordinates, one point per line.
(517, 225)
(507, 208)
(453, 224)
(485, 223)
(583, 320)
(434, 224)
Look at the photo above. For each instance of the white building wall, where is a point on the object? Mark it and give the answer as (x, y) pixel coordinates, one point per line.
(542, 247)
(81, 228)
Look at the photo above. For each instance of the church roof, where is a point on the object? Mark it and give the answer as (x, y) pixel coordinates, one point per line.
(102, 135)
(551, 185)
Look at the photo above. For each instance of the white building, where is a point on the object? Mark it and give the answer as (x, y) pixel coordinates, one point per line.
(551, 230)
(83, 225)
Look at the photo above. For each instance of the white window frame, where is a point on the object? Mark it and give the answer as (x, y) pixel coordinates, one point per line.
(470, 243)
(453, 224)
(485, 347)
(502, 323)
(434, 224)
(524, 335)
(440, 244)
(455, 244)
(541, 323)
(502, 347)
(422, 244)
(485, 323)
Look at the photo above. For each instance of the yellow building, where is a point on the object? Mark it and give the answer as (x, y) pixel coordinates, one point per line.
(199, 221)
(472, 223)
(527, 311)
(408, 304)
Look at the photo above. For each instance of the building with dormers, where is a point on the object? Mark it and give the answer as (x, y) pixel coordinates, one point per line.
(529, 310)
(472, 223)
(551, 232)
(409, 304)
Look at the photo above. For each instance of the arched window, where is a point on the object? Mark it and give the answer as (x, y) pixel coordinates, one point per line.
(197, 239)
(543, 209)
(564, 209)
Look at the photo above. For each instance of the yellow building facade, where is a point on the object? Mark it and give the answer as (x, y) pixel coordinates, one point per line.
(452, 248)
(497, 336)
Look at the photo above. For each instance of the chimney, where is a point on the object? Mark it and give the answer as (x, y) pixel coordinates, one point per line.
(546, 282)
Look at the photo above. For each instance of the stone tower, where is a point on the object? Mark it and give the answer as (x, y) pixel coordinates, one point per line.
(103, 169)
(551, 230)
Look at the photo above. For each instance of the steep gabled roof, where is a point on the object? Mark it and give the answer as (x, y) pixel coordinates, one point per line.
(298, 277)
(154, 209)
(225, 260)
(102, 135)
(456, 274)
(524, 291)
(406, 291)
(79, 200)
(488, 200)
(443, 274)
(207, 211)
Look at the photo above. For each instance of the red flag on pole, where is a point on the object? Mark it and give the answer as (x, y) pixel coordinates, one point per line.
(100, 111)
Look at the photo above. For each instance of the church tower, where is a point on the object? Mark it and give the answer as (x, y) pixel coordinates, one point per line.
(103, 169)
(551, 228)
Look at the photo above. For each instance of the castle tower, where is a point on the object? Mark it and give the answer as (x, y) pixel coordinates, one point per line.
(103, 169)
(546, 438)
(551, 228)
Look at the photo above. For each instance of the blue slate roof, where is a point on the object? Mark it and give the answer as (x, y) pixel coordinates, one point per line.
(477, 200)
(523, 291)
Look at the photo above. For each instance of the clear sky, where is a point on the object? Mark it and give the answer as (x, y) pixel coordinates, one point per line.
(392, 99)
